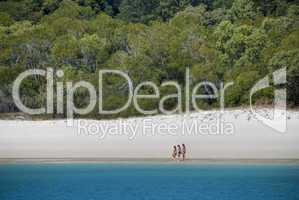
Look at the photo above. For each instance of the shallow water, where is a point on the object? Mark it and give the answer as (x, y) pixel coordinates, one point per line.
(148, 181)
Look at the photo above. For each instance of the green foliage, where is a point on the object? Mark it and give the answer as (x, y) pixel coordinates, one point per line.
(243, 82)
(65, 50)
(222, 3)
(289, 59)
(70, 9)
(153, 40)
(94, 51)
(138, 10)
(244, 10)
(168, 8)
(18, 10)
(272, 7)
(5, 19)
(239, 46)
(49, 6)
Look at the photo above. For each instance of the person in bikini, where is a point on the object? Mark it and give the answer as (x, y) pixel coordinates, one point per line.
(174, 153)
(179, 151)
(184, 151)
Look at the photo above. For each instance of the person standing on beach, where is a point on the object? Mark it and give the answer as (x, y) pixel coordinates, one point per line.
(174, 153)
(184, 151)
(179, 151)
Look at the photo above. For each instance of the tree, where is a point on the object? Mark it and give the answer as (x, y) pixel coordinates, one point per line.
(191, 17)
(66, 50)
(240, 92)
(94, 51)
(223, 3)
(110, 7)
(239, 46)
(272, 7)
(49, 6)
(168, 8)
(5, 19)
(138, 10)
(288, 56)
(244, 10)
(153, 40)
(18, 10)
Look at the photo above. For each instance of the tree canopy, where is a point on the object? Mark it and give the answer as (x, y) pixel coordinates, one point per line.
(151, 40)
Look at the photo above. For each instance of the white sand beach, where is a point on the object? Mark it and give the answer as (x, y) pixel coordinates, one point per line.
(152, 137)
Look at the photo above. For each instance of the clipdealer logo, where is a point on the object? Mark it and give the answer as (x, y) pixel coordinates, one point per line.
(279, 119)
(278, 122)
(133, 97)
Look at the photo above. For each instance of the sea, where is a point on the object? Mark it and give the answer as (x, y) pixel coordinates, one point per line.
(138, 181)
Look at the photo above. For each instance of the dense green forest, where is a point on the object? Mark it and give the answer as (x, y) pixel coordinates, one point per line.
(150, 40)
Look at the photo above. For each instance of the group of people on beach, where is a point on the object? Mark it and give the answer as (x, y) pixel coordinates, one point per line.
(179, 153)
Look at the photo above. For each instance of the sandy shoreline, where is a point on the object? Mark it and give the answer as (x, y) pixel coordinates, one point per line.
(150, 137)
(4, 161)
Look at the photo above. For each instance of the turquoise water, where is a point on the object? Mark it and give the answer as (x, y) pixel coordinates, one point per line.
(148, 181)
